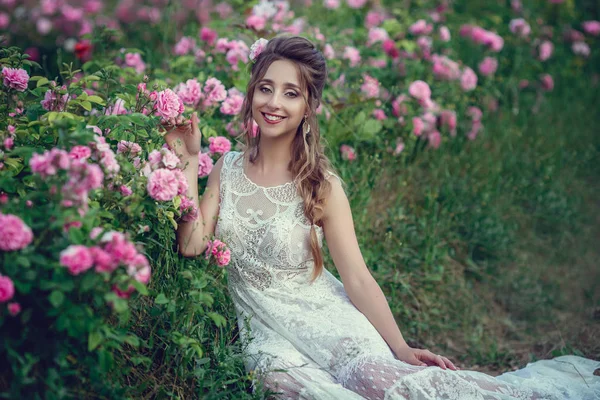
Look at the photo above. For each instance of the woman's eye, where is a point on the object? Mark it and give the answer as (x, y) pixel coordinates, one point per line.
(265, 90)
(292, 94)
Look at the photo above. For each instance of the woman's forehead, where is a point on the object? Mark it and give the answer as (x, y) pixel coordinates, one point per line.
(282, 72)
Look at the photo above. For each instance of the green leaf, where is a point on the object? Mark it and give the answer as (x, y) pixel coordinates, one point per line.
(42, 82)
(96, 99)
(94, 340)
(372, 127)
(161, 299)
(140, 287)
(132, 340)
(86, 105)
(56, 298)
(88, 282)
(218, 319)
(138, 118)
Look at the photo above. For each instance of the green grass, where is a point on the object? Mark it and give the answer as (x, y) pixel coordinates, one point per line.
(488, 252)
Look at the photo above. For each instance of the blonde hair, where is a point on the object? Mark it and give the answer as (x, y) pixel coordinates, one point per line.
(309, 165)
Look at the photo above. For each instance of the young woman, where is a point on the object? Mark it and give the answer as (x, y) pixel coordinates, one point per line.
(309, 335)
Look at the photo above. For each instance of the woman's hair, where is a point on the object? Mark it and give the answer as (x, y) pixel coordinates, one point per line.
(309, 164)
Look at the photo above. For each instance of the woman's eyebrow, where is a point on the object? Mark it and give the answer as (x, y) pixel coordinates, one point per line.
(289, 84)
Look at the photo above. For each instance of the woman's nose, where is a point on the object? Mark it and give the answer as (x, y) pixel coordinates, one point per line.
(275, 101)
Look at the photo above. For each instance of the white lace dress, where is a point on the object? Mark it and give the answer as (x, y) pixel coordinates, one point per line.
(308, 341)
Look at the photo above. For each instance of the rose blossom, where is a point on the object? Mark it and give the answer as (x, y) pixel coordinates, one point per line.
(547, 82)
(444, 34)
(546, 49)
(7, 289)
(14, 233)
(232, 105)
(190, 92)
(347, 152)
(208, 35)
(352, 54)
(219, 144)
(468, 80)
(488, 66)
(370, 87)
(163, 184)
(15, 78)
(419, 90)
(205, 165)
(77, 259)
(14, 308)
(80, 152)
(591, 27)
(257, 48)
(214, 90)
(519, 27)
(168, 104)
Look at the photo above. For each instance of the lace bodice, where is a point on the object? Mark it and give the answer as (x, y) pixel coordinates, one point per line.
(268, 228)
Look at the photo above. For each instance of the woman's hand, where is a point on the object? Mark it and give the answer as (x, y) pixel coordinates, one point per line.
(183, 137)
(424, 358)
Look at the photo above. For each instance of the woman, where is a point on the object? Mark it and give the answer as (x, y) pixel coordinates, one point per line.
(307, 334)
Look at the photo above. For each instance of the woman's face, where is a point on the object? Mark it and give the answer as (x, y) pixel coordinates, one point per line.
(278, 106)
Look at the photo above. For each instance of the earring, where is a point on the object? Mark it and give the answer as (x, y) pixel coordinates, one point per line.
(306, 127)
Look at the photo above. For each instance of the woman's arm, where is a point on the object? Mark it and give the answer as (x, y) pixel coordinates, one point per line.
(361, 287)
(184, 138)
(193, 236)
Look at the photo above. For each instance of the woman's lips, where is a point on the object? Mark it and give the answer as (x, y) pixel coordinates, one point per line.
(268, 121)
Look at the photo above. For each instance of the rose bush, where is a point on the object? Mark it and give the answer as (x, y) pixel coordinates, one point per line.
(90, 195)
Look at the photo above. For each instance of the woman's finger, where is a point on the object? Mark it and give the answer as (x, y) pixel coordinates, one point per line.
(194, 120)
(449, 364)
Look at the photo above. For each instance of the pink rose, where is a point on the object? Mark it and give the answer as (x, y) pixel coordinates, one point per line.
(103, 260)
(14, 234)
(256, 22)
(389, 47)
(418, 126)
(9, 143)
(257, 48)
(370, 87)
(546, 49)
(347, 152)
(190, 92)
(214, 90)
(168, 104)
(591, 27)
(184, 46)
(356, 3)
(7, 289)
(208, 35)
(125, 190)
(419, 90)
(488, 66)
(219, 145)
(14, 308)
(519, 27)
(352, 54)
(434, 139)
(547, 82)
(15, 78)
(444, 34)
(77, 259)
(205, 165)
(80, 152)
(379, 114)
(163, 184)
(233, 103)
(421, 27)
(468, 80)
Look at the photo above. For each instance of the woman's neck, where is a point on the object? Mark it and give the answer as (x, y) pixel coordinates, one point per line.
(273, 155)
